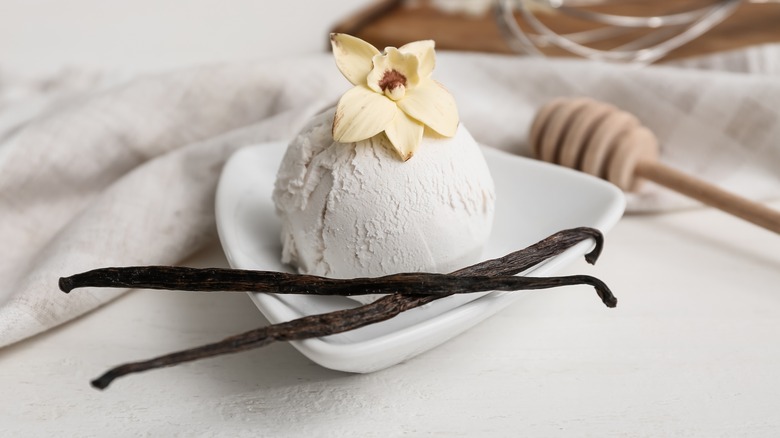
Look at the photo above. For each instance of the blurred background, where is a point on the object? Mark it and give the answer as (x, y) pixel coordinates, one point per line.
(38, 36)
(145, 35)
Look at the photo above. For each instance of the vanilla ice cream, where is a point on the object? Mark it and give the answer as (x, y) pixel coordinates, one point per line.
(357, 210)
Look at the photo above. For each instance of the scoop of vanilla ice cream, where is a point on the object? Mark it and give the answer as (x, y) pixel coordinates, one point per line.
(357, 210)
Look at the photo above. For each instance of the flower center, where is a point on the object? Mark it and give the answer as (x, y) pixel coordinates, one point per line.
(393, 83)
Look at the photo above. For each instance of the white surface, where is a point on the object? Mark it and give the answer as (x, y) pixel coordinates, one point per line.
(691, 350)
(146, 35)
(249, 232)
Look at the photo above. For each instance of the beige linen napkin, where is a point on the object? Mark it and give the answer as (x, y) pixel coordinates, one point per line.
(126, 175)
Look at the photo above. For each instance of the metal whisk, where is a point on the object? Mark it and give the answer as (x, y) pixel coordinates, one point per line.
(662, 33)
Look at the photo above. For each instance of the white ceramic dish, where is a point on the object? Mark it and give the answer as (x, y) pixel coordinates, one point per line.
(534, 200)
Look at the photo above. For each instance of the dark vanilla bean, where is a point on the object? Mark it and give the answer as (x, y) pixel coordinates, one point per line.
(417, 283)
(495, 271)
(237, 280)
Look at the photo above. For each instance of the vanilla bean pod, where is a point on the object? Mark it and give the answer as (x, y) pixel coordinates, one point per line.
(238, 280)
(380, 310)
(413, 283)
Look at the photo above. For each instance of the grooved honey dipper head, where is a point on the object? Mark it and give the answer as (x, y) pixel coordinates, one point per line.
(594, 137)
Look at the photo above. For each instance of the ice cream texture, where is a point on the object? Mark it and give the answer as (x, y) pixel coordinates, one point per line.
(358, 210)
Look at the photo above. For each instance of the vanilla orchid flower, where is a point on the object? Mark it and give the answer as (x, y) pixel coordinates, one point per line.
(393, 93)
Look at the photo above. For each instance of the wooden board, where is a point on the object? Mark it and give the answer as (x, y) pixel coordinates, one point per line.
(396, 22)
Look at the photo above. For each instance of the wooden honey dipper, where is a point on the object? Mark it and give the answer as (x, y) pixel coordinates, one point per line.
(600, 139)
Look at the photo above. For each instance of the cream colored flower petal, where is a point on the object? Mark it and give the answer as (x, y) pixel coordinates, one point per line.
(433, 105)
(405, 134)
(362, 114)
(404, 64)
(424, 51)
(353, 57)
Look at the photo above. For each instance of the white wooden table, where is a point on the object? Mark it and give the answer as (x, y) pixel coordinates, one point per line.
(693, 348)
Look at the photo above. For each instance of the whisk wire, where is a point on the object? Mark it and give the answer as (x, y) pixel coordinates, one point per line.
(668, 31)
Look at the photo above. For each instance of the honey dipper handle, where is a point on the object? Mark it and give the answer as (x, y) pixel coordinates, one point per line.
(709, 194)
